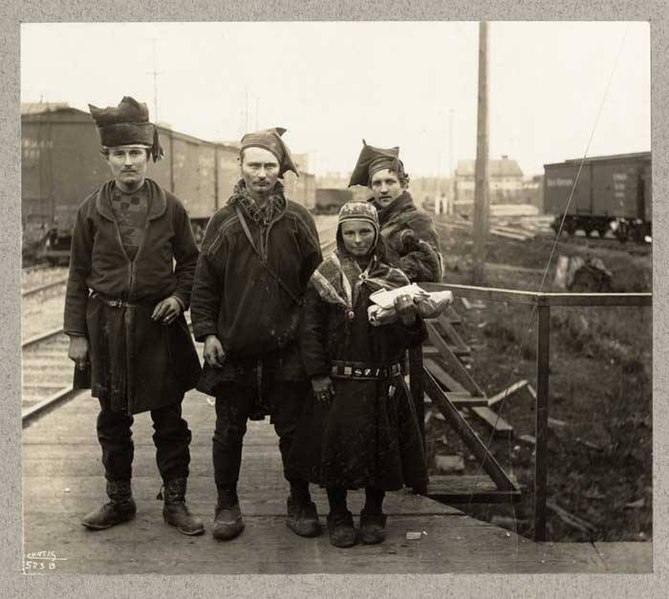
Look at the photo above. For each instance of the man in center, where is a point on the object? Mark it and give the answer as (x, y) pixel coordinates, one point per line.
(258, 253)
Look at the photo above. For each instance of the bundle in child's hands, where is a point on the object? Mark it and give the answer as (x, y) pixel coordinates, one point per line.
(429, 304)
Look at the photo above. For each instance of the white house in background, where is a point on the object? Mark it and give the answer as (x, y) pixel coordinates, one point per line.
(506, 183)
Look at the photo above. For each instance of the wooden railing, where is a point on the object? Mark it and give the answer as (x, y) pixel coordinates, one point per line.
(543, 302)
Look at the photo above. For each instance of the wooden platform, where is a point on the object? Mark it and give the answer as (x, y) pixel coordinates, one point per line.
(63, 479)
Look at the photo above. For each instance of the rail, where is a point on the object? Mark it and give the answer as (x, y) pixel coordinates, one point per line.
(46, 286)
(544, 302)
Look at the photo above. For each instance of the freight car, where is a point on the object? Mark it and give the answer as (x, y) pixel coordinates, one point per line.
(330, 200)
(61, 164)
(612, 193)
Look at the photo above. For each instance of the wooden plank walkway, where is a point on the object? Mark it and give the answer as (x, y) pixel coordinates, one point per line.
(63, 479)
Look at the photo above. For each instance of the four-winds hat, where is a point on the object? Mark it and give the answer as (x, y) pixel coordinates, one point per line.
(270, 140)
(373, 159)
(127, 124)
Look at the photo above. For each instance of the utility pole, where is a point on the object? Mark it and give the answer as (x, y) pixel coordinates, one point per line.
(450, 200)
(155, 74)
(481, 199)
(257, 111)
(246, 109)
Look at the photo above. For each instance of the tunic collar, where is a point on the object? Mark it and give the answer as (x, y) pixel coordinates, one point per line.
(157, 200)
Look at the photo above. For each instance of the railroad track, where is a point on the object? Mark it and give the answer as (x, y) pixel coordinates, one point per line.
(35, 267)
(326, 233)
(40, 278)
(608, 243)
(47, 374)
(44, 287)
(47, 371)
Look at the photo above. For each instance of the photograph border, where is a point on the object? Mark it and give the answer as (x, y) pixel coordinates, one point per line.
(16, 584)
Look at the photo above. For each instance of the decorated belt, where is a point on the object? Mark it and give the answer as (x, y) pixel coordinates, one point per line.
(353, 370)
(113, 303)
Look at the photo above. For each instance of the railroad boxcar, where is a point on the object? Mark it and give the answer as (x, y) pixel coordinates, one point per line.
(330, 200)
(612, 193)
(61, 164)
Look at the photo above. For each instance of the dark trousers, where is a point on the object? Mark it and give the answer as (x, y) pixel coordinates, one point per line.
(233, 406)
(171, 438)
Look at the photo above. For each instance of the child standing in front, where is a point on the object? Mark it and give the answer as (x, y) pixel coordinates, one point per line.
(360, 429)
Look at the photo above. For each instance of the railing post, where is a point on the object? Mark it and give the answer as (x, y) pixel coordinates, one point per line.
(540, 463)
(417, 387)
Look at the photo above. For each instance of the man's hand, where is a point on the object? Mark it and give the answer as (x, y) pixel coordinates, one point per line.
(323, 390)
(405, 309)
(214, 355)
(410, 243)
(167, 311)
(78, 351)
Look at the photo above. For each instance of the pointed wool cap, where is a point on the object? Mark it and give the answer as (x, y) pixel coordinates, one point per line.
(127, 124)
(270, 140)
(373, 159)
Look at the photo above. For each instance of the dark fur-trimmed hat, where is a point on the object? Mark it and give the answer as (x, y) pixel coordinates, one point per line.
(373, 159)
(127, 124)
(270, 140)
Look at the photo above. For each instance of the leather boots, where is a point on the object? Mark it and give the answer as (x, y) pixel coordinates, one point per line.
(120, 508)
(175, 510)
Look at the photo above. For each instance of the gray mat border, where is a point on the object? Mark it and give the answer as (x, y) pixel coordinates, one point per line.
(17, 585)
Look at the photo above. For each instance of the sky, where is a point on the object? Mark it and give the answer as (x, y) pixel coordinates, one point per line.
(555, 88)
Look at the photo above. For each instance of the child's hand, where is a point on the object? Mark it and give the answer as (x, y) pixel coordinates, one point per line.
(323, 390)
(405, 309)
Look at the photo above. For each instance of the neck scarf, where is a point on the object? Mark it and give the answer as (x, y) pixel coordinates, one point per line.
(339, 278)
(272, 209)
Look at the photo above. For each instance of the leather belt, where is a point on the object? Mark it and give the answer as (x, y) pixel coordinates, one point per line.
(356, 370)
(113, 303)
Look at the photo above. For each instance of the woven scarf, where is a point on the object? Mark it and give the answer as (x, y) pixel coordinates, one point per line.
(272, 209)
(339, 278)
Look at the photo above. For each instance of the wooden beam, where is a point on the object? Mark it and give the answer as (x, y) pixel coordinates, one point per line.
(597, 299)
(446, 380)
(431, 351)
(541, 426)
(463, 488)
(481, 183)
(507, 235)
(507, 392)
(493, 294)
(517, 296)
(415, 355)
(452, 315)
(468, 436)
(453, 364)
(501, 428)
(466, 399)
(457, 343)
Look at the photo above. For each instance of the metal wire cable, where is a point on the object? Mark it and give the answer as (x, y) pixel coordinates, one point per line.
(529, 329)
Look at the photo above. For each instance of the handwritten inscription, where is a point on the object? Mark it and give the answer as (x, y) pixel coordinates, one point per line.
(37, 562)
